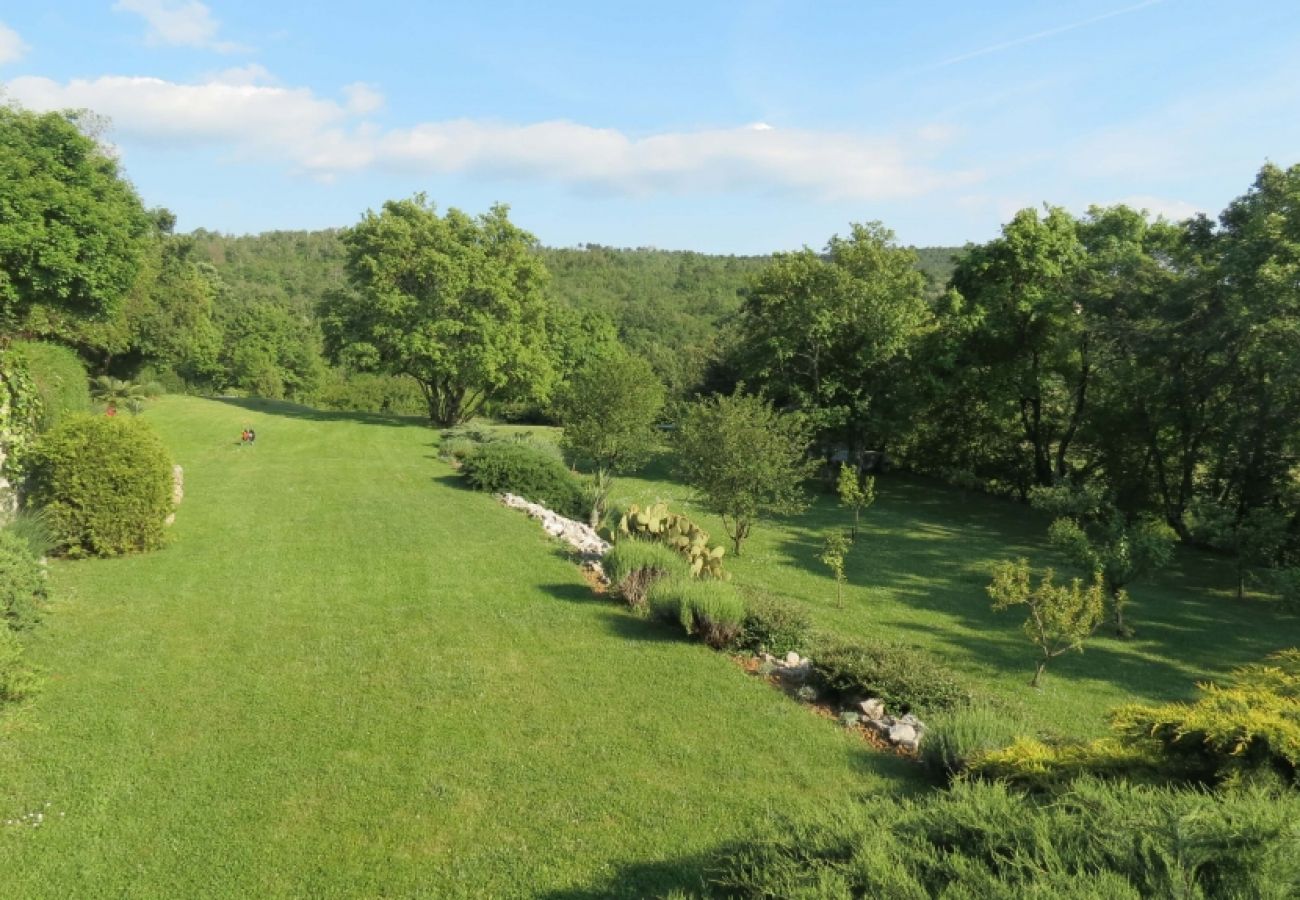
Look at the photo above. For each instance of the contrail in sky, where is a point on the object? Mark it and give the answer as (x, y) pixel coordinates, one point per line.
(1040, 35)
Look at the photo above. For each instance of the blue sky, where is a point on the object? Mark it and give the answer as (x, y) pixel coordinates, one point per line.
(722, 127)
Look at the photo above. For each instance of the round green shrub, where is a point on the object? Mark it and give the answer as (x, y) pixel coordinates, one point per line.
(23, 588)
(105, 483)
(906, 678)
(60, 378)
(520, 468)
(774, 624)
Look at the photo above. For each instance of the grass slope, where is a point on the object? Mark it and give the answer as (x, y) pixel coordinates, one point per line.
(348, 676)
(918, 574)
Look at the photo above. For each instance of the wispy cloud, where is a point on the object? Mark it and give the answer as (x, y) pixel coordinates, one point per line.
(1038, 36)
(179, 23)
(326, 137)
(12, 47)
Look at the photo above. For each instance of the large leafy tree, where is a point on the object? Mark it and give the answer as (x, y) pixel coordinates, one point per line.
(745, 459)
(72, 229)
(609, 409)
(819, 331)
(454, 301)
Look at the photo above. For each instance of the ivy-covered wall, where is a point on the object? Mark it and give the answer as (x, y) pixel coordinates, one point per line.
(20, 409)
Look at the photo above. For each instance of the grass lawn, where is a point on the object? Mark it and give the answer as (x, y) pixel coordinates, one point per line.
(349, 677)
(918, 575)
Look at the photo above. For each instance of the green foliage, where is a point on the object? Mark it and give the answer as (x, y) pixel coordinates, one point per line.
(595, 491)
(33, 528)
(23, 588)
(1048, 767)
(821, 331)
(367, 392)
(1095, 840)
(518, 468)
(657, 523)
(105, 483)
(73, 231)
(20, 414)
(59, 377)
(956, 737)
(455, 302)
(774, 625)
(745, 459)
(834, 548)
(18, 680)
(1233, 731)
(115, 393)
(712, 610)
(633, 565)
(1060, 619)
(609, 409)
(857, 491)
(906, 678)
(1097, 537)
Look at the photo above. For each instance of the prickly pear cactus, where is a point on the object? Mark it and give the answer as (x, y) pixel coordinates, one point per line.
(658, 523)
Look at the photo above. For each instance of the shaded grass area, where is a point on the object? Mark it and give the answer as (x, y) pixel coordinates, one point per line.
(917, 575)
(348, 677)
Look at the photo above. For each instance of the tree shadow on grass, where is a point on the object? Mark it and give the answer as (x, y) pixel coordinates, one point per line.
(686, 875)
(290, 410)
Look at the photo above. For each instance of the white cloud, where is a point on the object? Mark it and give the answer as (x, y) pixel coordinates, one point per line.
(363, 98)
(252, 73)
(326, 138)
(1173, 210)
(12, 47)
(179, 23)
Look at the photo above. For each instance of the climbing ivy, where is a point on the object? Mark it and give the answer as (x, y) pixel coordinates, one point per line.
(20, 411)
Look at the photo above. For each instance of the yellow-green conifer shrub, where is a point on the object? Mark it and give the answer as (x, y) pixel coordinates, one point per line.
(105, 484)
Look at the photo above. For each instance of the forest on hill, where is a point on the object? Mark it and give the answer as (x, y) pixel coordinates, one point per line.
(664, 304)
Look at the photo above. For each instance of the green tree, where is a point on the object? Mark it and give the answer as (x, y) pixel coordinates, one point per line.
(1098, 538)
(455, 302)
(820, 330)
(609, 409)
(73, 230)
(857, 491)
(745, 459)
(1060, 619)
(117, 392)
(834, 548)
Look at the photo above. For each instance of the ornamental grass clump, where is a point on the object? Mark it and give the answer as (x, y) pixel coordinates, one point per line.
(711, 610)
(956, 737)
(632, 566)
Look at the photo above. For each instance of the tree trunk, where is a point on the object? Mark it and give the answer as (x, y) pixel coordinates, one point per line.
(1039, 667)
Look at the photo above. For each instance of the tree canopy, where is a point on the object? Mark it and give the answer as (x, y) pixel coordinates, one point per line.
(454, 301)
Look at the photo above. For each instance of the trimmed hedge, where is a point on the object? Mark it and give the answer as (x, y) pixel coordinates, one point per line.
(519, 468)
(713, 610)
(60, 379)
(906, 678)
(105, 484)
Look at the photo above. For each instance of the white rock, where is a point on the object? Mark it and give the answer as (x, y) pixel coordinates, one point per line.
(792, 659)
(902, 733)
(872, 708)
